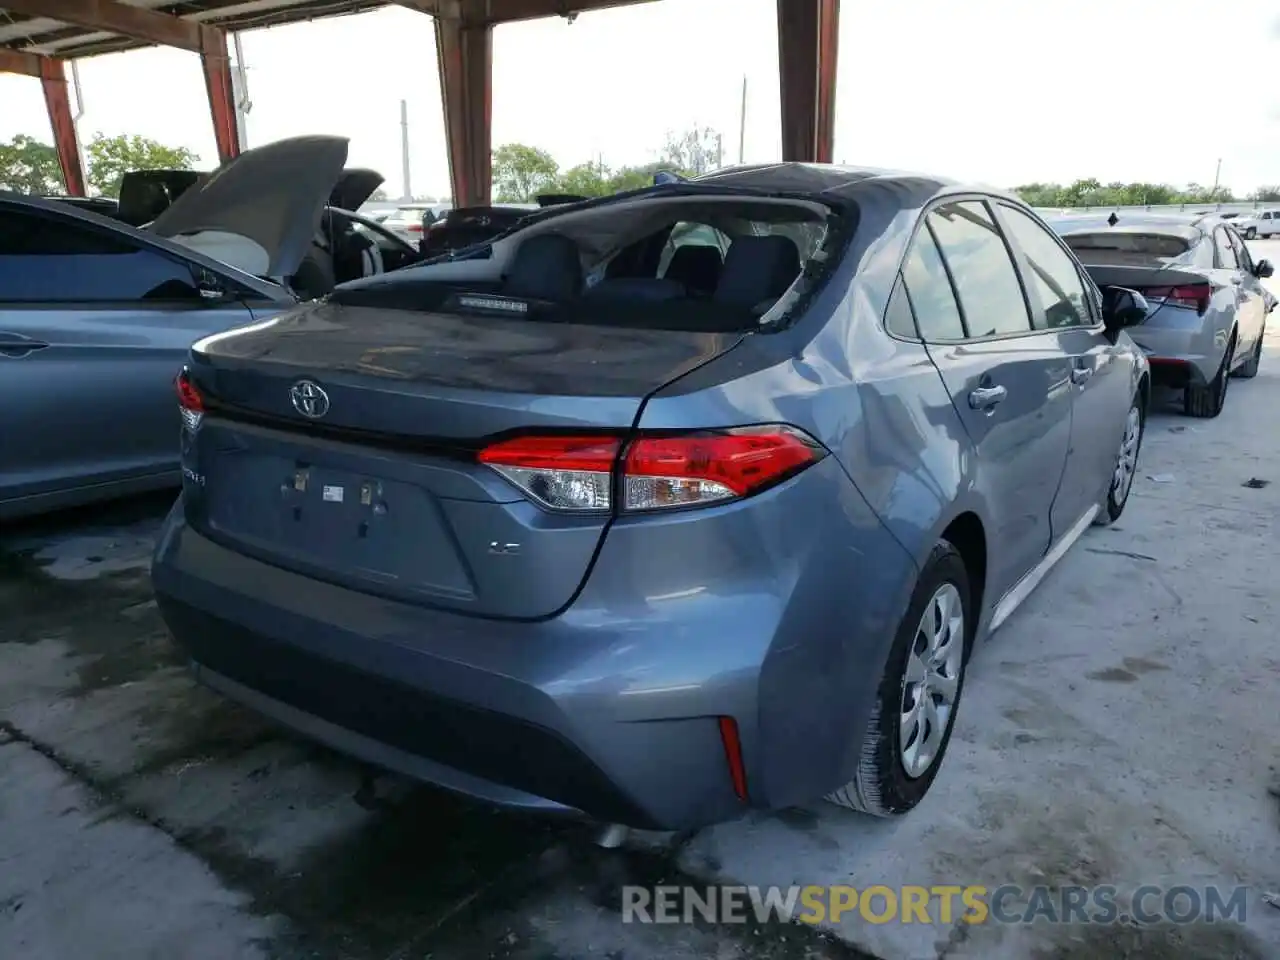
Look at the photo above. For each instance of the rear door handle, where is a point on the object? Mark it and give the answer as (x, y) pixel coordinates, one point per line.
(15, 346)
(984, 398)
(1081, 375)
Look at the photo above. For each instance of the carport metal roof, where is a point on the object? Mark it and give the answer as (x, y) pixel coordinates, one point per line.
(37, 36)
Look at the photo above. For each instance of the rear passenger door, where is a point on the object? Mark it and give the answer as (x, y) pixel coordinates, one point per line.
(94, 325)
(1253, 309)
(1009, 384)
(1063, 306)
(1248, 293)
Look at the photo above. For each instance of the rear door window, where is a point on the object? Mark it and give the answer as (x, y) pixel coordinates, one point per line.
(1052, 273)
(929, 289)
(1225, 254)
(46, 259)
(898, 319)
(1242, 252)
(986, 284)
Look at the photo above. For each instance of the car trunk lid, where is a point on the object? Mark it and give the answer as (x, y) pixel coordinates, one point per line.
(377, 486)
(1162, 286)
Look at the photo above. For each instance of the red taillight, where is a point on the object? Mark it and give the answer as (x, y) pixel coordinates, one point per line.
(415, 228)
(190, 403)
(657, 472)
(564, 473)
(1193, 295)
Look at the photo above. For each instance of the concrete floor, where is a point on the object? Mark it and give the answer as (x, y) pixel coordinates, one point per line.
(1121, 728)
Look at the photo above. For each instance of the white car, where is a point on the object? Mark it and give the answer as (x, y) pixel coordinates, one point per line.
(406, 221)
(1260, 223)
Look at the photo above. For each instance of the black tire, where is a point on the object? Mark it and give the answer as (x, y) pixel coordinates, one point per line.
(881, 786)
(1207, 402)
(1115, 501)
(1249, 369)
(1250, 233)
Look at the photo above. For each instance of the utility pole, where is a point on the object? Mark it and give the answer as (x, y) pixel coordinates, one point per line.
(719, 151)
(1217, 178)
(742, 124)
(404, 148)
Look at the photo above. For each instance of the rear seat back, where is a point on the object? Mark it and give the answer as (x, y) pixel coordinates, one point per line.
(757, 270)
(545, 267)
(697, 266)
(648, 289)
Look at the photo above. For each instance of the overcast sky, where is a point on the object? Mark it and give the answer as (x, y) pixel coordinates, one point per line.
(1001, 91)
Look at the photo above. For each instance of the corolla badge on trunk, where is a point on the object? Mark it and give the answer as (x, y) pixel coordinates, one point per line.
(309, 399)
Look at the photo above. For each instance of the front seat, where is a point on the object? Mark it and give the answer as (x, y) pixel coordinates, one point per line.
(697, 266)
(545, 267)
(757, 271)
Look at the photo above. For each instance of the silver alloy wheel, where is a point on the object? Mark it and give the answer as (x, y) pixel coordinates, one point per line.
(932, 680)
(1127, 462)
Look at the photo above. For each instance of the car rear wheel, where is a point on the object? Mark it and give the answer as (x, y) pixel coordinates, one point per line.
(1126, 466)
(916, 703)
(1208, 401)
(1250, 233)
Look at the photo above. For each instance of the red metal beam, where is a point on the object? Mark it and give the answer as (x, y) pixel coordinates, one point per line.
(217, 82)
(465, 55)
(477, 12)
(160, 28)
(16, 61)
(808, 32)
(54, 80)
(136, 22)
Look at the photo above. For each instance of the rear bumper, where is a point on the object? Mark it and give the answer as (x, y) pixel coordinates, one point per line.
(1179, 357)
(610, 710)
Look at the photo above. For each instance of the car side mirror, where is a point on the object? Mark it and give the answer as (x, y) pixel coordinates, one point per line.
(1122, 307)
(1263, 269)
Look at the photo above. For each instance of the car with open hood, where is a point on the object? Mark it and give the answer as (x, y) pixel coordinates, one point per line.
(91, 300)
(660, 507)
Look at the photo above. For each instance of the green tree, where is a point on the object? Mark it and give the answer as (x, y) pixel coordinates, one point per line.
(633, 178)
(1268, 194)
(1090, 192)
(378, 194)
(694, 151)
(522, 172)
(110, 158)
(586, 180)
(29, 166)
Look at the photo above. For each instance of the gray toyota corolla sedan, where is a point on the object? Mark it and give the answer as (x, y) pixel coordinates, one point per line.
(658, 507)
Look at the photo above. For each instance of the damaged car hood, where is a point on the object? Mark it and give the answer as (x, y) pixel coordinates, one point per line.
(270, 198)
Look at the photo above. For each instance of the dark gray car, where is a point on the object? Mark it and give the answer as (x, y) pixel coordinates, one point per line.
(114, 309)
(599, 518)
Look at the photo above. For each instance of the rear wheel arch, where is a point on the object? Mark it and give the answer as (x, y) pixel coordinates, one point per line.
(967, 534)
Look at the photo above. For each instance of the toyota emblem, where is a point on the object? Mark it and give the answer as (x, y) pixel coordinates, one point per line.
(309, 399)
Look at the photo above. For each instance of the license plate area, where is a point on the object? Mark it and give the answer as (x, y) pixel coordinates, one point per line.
(349, 524)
